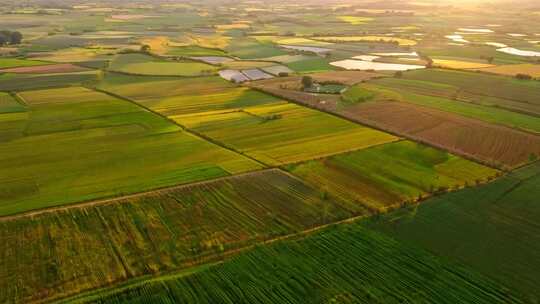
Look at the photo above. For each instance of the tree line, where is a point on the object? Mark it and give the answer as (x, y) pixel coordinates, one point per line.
(9, 37)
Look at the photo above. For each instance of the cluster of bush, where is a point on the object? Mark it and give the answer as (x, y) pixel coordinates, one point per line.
(9, 37)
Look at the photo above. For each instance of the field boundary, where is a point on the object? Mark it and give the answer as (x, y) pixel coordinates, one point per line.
(115, 199)
(185, 129)
(369, 124)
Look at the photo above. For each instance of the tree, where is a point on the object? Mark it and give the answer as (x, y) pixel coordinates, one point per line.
(521, 76)
(398, 74)
(8, 37)
(307, 82)
(490, 59)
(145, 48)
(3, 39)
(16, 38)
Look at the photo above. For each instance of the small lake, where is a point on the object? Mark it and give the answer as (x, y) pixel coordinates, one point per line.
(475, 30)
(351, 64)
(518, 52)
(366, 57)
(496, 44)
(456, 38)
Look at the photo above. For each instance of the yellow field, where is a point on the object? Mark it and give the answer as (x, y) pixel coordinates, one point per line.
(458, 64)
(355, 20)
(157, 45)
(301, 41)
(242, 65)
(213, 42)
(401, 41)
(513, 69)
(271, 133)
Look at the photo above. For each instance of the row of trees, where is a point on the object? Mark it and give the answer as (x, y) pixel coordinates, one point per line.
(9, 37)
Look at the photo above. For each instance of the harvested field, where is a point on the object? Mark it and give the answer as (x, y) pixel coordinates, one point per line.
(58, 254)
(46, 69)
(388, 175)
(514, 69)
(348, 264)
(277, 134)
(492, 229)
(458, 64)
(491, 144)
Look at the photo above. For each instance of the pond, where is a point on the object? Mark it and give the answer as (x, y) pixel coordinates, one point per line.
(351, 64)
(518, 52)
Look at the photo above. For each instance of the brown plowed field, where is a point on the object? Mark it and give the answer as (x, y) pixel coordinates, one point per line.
(46, 69)
(491, 144)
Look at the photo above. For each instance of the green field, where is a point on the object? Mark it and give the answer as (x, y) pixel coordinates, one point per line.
(311, 65)
(356, 94)
(148, 88)
(492, 228)
(482, 112)
(516, 94)
(347, 264)
(172, 96)
(228, 99)
(246, 48)
(21, 82)
(140, 64)
(8, 104)
(74, 144)
(194, 50)
(6, 63)
(154, 233)
(390, 174)
(283, 133)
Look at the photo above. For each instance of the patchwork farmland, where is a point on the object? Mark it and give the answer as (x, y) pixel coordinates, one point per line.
(477, 225)
(269, 152)
(493, 145)
(162, 231)
(315, 279)
(269, 134)
(58, 134)
(391, 174)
